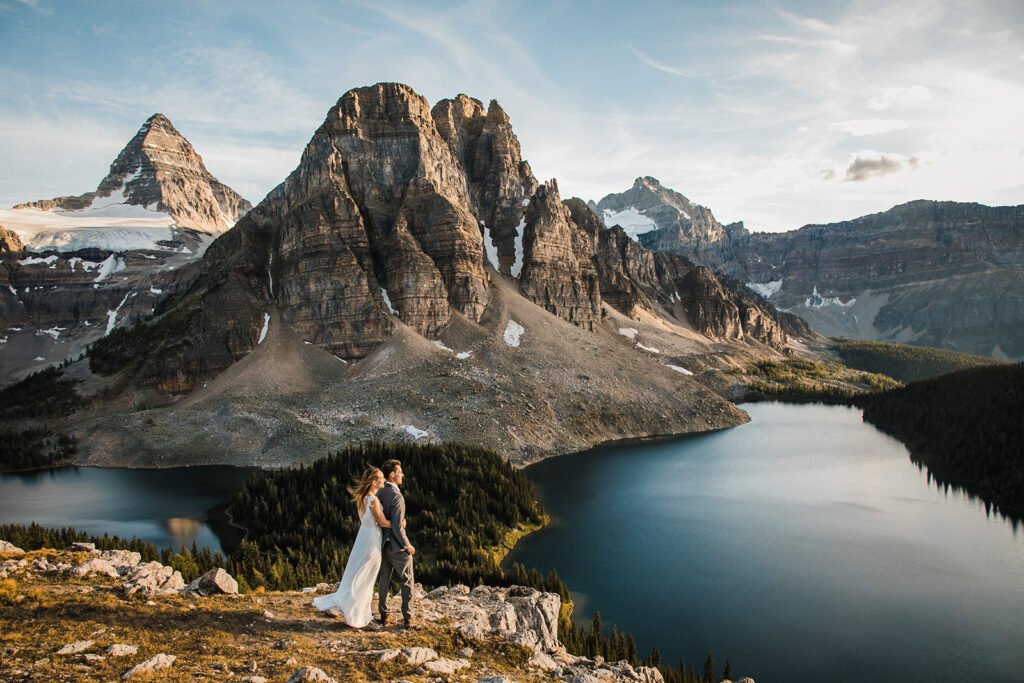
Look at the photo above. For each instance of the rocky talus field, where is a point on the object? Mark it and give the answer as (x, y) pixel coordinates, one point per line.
(83, 615)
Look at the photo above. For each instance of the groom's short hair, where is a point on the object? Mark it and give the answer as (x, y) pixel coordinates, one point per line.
(390, 466)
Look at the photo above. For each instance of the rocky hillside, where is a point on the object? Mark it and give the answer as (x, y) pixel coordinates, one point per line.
(410, 278)
(74, 268)
(941, 274)
(83, 615)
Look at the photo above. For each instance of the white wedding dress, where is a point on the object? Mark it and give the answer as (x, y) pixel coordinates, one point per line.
(355, 592)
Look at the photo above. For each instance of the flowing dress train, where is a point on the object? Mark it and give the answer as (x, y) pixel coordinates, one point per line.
(355, 592)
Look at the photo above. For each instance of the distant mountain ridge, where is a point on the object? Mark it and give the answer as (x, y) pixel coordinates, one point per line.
(942, 274)
(158, 168)
(74, 268)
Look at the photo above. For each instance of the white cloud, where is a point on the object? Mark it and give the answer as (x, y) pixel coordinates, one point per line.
(905, 95)
(861, 127)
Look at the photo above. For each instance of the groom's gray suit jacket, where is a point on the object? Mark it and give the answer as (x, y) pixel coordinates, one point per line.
(392, 504)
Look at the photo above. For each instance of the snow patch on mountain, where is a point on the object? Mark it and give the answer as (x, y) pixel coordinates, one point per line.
(517, 267)
(815, 300)
(112, 264)
(513, 332)
(266, 327)
(766, 289)
(70, 231)
(631, 220)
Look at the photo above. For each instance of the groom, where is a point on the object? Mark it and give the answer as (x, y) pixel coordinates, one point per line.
(396, 555)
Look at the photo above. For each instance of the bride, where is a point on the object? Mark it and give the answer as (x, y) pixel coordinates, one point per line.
(355, 592)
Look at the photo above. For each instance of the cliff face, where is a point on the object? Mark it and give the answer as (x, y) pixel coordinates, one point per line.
(943, 274)
(159, 169)
(391, 218)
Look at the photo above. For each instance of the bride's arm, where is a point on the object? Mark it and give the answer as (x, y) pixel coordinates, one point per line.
(378, 514)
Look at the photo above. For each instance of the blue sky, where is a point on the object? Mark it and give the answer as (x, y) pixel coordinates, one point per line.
(775, 113)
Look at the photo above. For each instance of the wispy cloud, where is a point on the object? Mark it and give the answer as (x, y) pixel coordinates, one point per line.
(37, 6)
(862, 127)
(660, 66)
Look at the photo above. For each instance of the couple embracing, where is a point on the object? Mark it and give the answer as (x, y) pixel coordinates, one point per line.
(381, 549)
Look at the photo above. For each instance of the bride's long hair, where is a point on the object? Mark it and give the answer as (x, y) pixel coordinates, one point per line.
(361, 486)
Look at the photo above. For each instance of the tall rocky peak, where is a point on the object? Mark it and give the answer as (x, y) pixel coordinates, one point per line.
(500, 183)
(558, 273)
(158, 169)
(670, 218)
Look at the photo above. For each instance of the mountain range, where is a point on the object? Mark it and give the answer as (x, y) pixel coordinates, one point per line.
(941, 274)
(411, 279)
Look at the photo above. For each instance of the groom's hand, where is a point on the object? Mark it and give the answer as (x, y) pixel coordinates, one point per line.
(410, 550)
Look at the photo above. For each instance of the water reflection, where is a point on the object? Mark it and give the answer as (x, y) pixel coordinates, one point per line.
(169, 508)
(183, 530)
(801, 543)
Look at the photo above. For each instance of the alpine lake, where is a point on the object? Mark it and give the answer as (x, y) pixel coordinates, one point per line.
(802, 546)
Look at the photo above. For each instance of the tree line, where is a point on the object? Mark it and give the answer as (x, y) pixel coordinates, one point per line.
(967, 427)
(904, 362)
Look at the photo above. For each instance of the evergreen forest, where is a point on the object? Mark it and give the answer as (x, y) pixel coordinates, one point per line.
(904, 362)
(967, 427)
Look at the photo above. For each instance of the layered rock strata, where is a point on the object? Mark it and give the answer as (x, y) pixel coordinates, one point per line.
(558, 272)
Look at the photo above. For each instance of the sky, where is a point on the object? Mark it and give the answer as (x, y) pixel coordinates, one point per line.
(778, 114)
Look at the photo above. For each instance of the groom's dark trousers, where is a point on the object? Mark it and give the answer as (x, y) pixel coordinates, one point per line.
(393, 556)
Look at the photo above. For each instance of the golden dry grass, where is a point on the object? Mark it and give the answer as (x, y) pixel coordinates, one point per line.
(211, 637)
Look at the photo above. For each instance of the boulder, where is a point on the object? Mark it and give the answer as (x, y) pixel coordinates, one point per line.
(122, 650)
(95, 565)
(310, 673)
(153, 578)
(214, 582)
(10, 548)
(155, 663)
(75, 648)
(446, 666)
(79, 547)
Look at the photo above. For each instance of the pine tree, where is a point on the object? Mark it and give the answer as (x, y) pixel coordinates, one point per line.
(708, 674)
(727, 672)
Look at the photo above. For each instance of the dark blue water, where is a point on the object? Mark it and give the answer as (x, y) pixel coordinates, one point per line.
(803, 546)
(170, 508)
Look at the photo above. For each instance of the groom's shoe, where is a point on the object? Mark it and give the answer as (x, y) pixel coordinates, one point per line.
(382, 621)
(406, 623)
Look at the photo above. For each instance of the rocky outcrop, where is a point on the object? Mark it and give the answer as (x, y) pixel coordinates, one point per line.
(158, 169)
(10, 242)
(558, 273)
(483, 634)
(500, 182)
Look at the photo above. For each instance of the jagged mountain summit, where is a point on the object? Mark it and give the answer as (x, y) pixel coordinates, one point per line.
(942, 274)
(411, 277)
(73, 268)
(157, 172)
